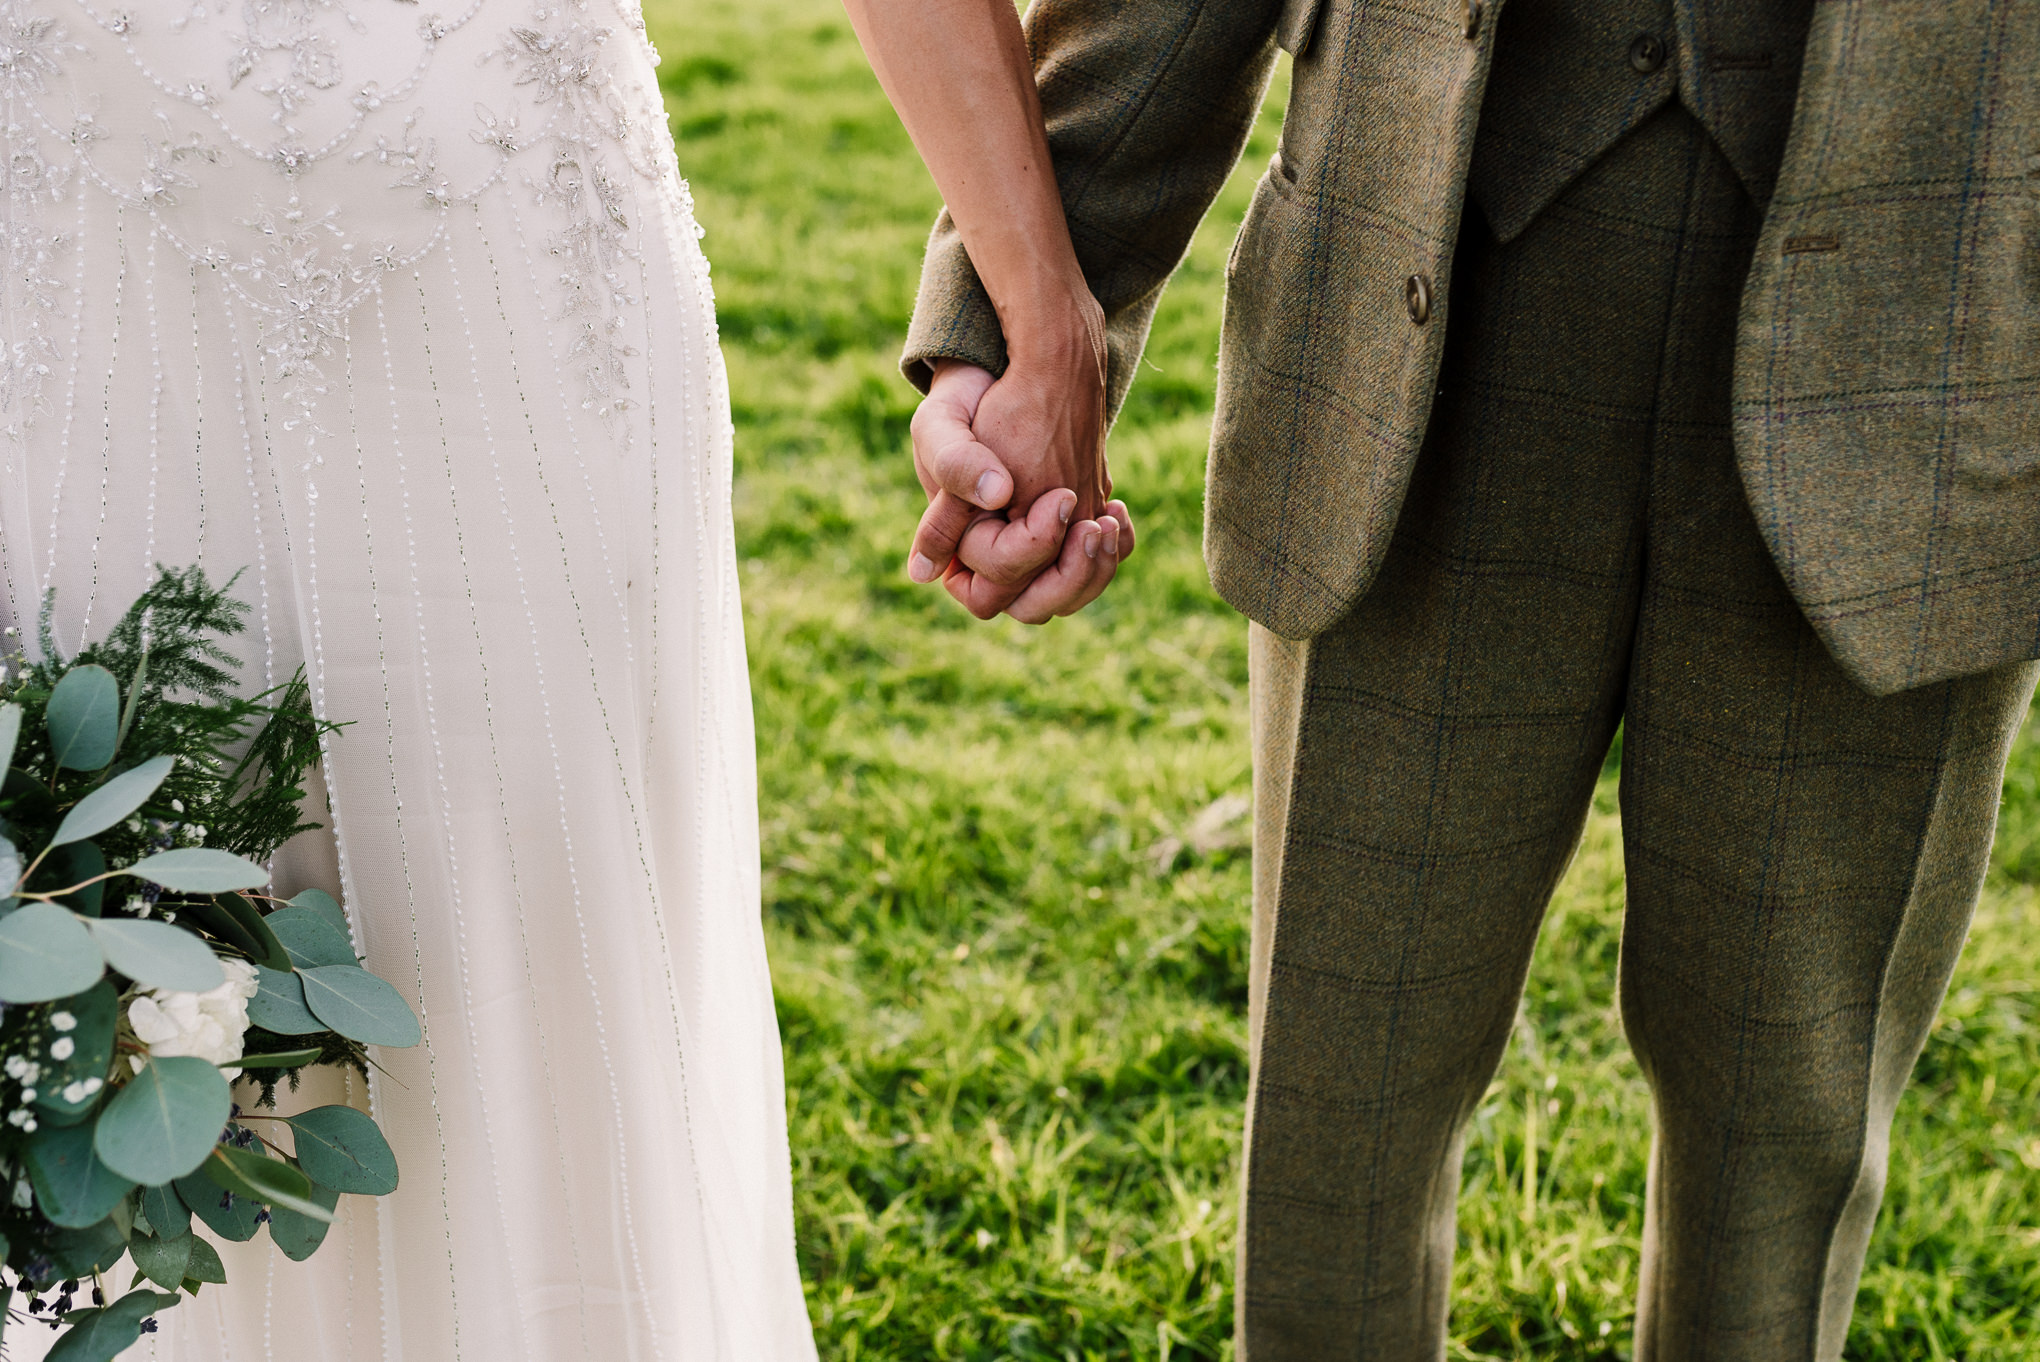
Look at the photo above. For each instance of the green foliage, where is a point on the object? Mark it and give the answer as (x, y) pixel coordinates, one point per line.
(83, 718)
(162, 1123)
(342, 1149)
(311, 938)
(241, 759)
(273, 1182)
(156, 954)
(166, 1211)
(299, 1236)
(1006, 884)
(66, 1089)
(101, 1335)
(72, 1185)
(164, 1261)
(46, 953)
(359, 1006)
(101, 789)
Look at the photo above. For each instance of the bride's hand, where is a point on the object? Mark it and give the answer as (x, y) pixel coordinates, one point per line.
(1001, 462)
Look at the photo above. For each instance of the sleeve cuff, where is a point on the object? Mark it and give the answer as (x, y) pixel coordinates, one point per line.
(953, 316)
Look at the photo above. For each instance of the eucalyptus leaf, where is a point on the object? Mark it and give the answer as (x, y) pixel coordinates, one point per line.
(279, 1004)
(10, 868)
(76, 864)
(102, 1335)
(163, 1122)
(166, 1262)
(72, 1186)
(10, 733)
(29, 798)
(358, 1005)
(113, 801)
(311, 938)
(205, 1263)
(299, 1236)
(341, 1148)
(225, 928)
(276, 1059)
(246, 1172)
(167, 1213)
(46, 953)
(199, 870)
(250, 917)
(94, 1015)
(83, 718)
(80, 1253)
(123, 1216)
(231, 1217)
(158, 955)
(319, 901)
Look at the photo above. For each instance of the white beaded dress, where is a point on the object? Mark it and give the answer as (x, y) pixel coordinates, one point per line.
(396, 308)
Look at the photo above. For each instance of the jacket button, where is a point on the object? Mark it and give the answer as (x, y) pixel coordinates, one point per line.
(1469, 17)
(1646, 52)
(1416, 296)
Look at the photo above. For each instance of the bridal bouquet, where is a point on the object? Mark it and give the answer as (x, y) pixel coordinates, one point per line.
(142, 970)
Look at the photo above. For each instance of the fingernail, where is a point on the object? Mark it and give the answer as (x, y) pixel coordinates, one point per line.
(987, 486)
(921, 568)
(1091, 544)
(1068, 505)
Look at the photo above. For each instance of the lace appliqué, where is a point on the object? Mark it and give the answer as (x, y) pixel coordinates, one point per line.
(32, 48)
(560, 61)
(299, 270)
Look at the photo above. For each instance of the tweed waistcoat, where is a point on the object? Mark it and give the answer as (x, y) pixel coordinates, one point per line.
(1571, 77)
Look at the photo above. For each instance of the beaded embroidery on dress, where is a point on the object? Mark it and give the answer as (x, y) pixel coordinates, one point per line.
(400, 313)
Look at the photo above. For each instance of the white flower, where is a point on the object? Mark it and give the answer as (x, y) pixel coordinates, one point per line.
(63, 1021)
(61, 1047)
(206, 1025)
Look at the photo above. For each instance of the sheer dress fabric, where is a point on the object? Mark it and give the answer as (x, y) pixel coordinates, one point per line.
(399, 313)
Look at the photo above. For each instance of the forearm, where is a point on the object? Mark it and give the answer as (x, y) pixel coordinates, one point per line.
(1147, 105)
(959, 73)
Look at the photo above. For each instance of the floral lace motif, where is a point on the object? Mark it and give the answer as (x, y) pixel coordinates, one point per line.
(318, 91)
(32, 51)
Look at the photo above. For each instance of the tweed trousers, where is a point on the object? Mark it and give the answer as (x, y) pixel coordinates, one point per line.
(1576, 551)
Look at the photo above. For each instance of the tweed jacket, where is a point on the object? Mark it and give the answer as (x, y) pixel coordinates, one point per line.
(1887, 389)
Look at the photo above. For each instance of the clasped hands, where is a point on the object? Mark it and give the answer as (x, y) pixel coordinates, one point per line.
(1020, 518)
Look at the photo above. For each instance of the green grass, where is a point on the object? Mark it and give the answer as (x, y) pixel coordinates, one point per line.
(1014, 1022)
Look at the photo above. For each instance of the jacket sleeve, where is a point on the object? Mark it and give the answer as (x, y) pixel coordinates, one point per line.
(1148, 105)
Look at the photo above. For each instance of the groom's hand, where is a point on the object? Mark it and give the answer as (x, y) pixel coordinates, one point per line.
(1019, 516)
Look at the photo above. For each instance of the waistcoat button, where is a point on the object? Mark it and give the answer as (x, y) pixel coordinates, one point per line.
(1416, 296)
(1469, 17)
(1646, 53)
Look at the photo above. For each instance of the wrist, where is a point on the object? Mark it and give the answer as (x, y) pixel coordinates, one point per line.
(1056, 330)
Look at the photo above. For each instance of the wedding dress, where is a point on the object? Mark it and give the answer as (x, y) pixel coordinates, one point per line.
(396, 308)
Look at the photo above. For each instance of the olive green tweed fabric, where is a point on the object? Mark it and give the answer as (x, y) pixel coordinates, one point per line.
(1888, 375)
(1576, 551)
(1566, 84)
(1888, 371)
